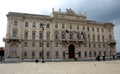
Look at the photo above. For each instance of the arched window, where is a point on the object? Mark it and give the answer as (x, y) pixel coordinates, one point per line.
(56, 35)
(14, 33)
(63, 34)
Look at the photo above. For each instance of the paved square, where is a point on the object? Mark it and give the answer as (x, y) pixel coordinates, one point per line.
(93, 67)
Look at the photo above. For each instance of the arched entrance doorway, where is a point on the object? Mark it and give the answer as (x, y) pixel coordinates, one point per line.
(71, 52)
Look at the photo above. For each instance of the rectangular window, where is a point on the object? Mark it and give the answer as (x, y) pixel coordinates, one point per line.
(97, 29)
(93, 29)
(33, 55)
(25, 44)
(57, 54)
(15, 23)
(85, 45)
(34, 25)
(56, 44)
(48, 26)
(83, 27)
(94, 45)
(63, 26)
(87, 28)
(70, 26)
(89, 45)
(48, 55)
(99, 45)
(26, 24)
(79, 54)
(102, 30)
(89, 54)
(85, 54)
(56, 25)
(77, 27)
(33, 35)
(33, 44)
(26, 35)
(94, 54)
(40, 44)
(47, 45)
(63, 54)
(40, 54)
(40, 35)
(25, 54)
(103, 45)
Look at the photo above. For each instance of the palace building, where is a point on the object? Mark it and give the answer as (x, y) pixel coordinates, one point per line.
(59, 36)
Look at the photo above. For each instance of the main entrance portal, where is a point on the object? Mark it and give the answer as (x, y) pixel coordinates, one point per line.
(71, 52)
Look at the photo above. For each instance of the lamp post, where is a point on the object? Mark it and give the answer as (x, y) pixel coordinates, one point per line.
(42, 61)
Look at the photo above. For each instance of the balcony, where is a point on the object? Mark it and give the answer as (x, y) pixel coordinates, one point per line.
(14, 39)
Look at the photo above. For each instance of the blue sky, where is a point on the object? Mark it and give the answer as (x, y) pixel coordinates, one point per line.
(99, 10)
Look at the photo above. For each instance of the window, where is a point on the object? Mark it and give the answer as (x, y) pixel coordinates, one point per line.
(92, 29)
(79, 54)
(94, 54)
(70, 26)
(25, 44)
(25, 54)
(97, 29)
(77, 27)
(71, 35)
(87, 28)
(34, 24)
(40, 35)
(103, 45)
(78, 36)
(33, 35)
(99, 45)
(48, 25)
(98, 36)
(14, 33)
(48, 35)
(104, 53)
(63, 26)
(89, 45)
(93, 37)
(56, 25)
(41, 25)
(110, 37)
(63, 54)
(48, 55)
(100, 53)
(88, 37)
(63, 35)
(26, 24)
(47, 45)
(103, 38)
(57, 54)
(85, 54)
(56, 44)
(85, 45)
(83, 27)
(33, 44)
(26, 35)
(56, 35)
(89, 54)
(102, 30)
(15, 23)
(40, 44)
(33, 55)
(40, 54)
(94, 45)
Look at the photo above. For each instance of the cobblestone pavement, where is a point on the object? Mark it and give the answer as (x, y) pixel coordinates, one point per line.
(90, 67)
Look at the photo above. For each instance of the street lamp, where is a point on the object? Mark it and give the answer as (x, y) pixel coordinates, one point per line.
(42, 61)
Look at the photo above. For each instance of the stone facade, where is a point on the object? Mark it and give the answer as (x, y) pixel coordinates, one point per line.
(62, 36)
